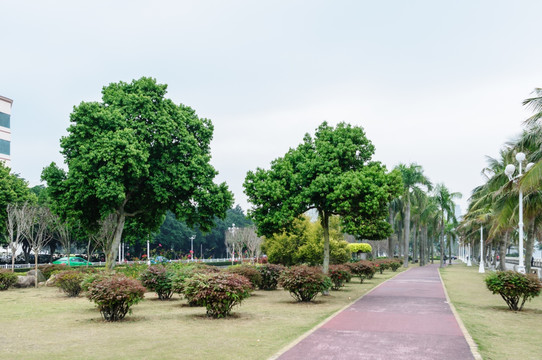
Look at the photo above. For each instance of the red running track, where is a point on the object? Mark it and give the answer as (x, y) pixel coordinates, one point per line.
(407, 317)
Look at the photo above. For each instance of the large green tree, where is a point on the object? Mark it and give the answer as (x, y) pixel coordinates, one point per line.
(331, 172)
(136, 154)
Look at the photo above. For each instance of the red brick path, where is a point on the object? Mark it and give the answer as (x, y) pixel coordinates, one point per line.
(406, 317)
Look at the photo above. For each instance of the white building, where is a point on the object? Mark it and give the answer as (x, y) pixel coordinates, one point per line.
(5, 130)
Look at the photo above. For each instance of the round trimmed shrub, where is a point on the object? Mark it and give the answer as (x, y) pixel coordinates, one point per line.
(114, 295)
(515, 288)
(70, 281)
(339, 274)
(218, 292)
(270, 276)
(395, 264)
(248, 271)
(158, 279)
(7, 279)
(363, 269)
(303, 282)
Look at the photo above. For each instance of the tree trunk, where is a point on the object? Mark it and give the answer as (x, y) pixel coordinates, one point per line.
(415, 243)
(36, 252)
(13, 251)
(432, 250)
(442, 264)
(450, 240)
(111, 254)
(406, 232)
(325, 226)
(529, 244)
(390, 238)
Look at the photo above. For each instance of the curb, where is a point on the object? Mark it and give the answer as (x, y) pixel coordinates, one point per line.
(470, 341)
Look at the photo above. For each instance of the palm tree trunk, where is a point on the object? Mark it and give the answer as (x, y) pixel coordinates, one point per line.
(406, 232)
(529, 244)
(390, 238)
(415, 243)
(502, 251)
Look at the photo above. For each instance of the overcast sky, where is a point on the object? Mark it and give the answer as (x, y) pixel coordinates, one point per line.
(439, 83)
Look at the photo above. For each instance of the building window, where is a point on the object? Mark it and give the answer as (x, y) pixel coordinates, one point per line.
(4, 147)
(4, 120)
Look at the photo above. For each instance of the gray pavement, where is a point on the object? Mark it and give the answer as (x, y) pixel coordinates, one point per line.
(407, 317)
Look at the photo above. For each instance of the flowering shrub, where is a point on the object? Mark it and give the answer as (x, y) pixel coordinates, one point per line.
(303, 282)
(218, 292)
(270, 276)
(395, 264)
(362, 269)
(158, 279)
(514, 287)
(114, 295)
(70, 282)
(382, 264)
(338, 274)
(50, 269)
(250, 272)
(7, 279)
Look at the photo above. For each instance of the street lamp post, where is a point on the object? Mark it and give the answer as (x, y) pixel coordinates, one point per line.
(481, 269)
(509, 171)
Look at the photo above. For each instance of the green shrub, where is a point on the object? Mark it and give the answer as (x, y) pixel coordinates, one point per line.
(362, 269)
(303, 282)
(338, 274)
(7, 279)
(158, 279)
(359, 247)
(395, 264)
(131, 270)
(218, 292)
(50, 269)
(515, 288)
(248, 271)
(270, 275)
(70, 281)
(114, 295)
(382, 264)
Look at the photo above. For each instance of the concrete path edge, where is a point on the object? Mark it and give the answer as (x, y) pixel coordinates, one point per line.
(470, 341)
(306, 334)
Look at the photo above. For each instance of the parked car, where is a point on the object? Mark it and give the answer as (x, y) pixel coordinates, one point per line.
(74, 261)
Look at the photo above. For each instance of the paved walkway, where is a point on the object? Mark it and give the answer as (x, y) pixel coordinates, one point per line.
(406, 317)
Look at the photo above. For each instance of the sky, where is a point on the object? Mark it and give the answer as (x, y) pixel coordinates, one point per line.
(438, 83)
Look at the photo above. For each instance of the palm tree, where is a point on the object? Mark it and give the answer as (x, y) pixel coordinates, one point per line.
(413, 177)
(445, 202)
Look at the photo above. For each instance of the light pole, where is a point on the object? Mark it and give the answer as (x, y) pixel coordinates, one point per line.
(481, 269)
(232, 231)
(192, 247)
(509, 171)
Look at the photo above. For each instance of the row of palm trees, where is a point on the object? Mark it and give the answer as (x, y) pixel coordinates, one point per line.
(495, 204)
(422, 216)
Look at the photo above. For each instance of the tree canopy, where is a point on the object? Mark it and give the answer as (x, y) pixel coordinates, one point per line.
(13, 190)
(136, 154)
(331, 172)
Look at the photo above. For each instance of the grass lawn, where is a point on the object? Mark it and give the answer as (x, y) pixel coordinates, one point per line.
(498, 332)
(45, 324)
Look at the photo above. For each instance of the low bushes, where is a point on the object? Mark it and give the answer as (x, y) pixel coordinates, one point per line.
(515, 288)
(362, 269)
(50, 269)
(339, 274)
(114, 295)
(218, 292)
(303, 282)
(270, 276)
(158, 279)
(70, 281)
(7, 279)
(248, 271)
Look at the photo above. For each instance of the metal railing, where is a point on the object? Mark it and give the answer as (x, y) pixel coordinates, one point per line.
(102, 263)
